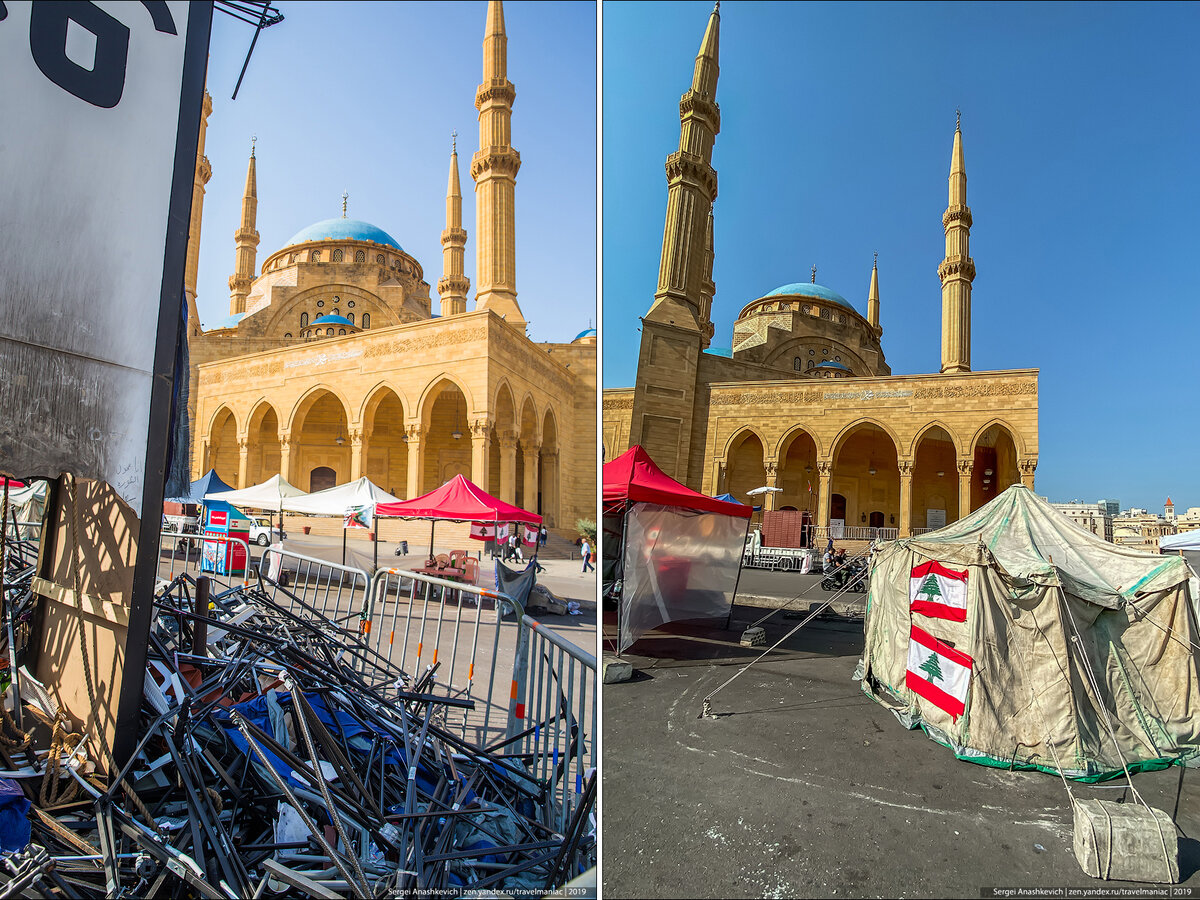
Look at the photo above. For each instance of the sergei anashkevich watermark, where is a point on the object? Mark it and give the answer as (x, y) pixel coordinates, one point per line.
(1153, 890)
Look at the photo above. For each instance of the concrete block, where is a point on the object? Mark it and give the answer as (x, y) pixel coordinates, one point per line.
(616, 670)
(1125, 842)
(754, 637)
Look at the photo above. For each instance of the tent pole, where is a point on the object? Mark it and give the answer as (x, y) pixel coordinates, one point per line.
(738, 580)
(621, 602)
(375, 521)
(343, 543)
(432, 525)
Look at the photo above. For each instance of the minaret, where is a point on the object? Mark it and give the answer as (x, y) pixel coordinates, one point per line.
(453, 285)
(494, 168)
(192, 268)
(246, 238)
(691, 189)
(957, 270)
(708, 287)
(678, 327)
(873, 299)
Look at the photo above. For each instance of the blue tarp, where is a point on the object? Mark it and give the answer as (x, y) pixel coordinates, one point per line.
(14, 821)
(728, 498)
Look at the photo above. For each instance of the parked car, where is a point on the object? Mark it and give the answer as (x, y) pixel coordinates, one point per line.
(262, 532)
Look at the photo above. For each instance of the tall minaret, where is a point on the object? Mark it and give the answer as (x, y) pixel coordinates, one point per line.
(453, 285)
(873, 299)
(678, 327)
(691, 189)
(192, 268)
(957, 270)
(246, 238)
(494, 168)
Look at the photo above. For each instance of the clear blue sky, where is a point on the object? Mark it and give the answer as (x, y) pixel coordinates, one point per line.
(362, 97)
(837, 119)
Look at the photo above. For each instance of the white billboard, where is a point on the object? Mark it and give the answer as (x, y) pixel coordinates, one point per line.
(98, 130)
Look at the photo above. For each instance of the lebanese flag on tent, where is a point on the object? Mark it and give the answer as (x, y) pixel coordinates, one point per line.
(938, 673)
(529, 535)
(938, 592)
(483, 531)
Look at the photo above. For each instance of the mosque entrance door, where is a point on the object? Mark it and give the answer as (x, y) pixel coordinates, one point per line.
(320, 478)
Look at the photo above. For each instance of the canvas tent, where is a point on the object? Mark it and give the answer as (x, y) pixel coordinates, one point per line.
(208, 483)
(1020, 640)
(268, 496)
(670, 553)
(336, 501)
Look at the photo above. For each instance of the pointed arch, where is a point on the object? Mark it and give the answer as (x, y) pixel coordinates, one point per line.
(955, 437)
(790, 435)
(434, 387)
(306, 400)
(1017, 439)
(848, 431)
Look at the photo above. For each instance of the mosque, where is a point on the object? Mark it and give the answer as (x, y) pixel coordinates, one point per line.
(333, 364)
(804, 401)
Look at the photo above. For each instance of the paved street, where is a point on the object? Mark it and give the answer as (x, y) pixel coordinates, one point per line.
(803, 786)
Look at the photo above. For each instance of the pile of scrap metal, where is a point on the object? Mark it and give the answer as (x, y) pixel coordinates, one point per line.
(277, 754)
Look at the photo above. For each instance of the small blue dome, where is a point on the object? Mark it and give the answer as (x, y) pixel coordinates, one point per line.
(332, 320)
(588, 332)
(343, 230)
(830, 364)
(805, 289)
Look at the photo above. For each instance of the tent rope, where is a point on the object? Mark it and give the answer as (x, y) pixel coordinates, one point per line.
(1107, 719)
(706, 706)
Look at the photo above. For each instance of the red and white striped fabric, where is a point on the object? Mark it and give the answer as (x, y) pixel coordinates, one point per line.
(938, 592)
(938, 673)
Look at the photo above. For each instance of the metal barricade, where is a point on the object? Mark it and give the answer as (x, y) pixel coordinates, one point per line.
(181, 552)
(310, 587)
(560, 698)
(411, 618)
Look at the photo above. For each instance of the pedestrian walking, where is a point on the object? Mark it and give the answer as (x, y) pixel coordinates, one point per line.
(585, 550)
(543, 536)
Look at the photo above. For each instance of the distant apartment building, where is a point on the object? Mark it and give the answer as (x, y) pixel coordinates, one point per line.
(1110, 507)
(1141, 529)
(1089, 516)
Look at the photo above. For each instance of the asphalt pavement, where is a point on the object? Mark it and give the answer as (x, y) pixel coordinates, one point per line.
(802, 786)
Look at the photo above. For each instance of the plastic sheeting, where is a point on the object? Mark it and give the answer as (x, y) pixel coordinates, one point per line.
(678, 564)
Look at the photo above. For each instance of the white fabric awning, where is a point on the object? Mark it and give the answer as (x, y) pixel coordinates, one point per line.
(268, 496)
(335, 501)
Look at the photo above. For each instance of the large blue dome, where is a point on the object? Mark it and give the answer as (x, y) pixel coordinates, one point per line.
(331, 320)
(805, 289)
(343, 230)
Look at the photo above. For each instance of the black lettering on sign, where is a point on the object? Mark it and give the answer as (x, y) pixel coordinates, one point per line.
(104, 83)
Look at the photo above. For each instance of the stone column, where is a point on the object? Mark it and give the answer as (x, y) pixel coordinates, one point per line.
(508, 467)
(357, 453)
(243, 442)
(965, 468)
(718, 482)
(825, 471)
(480, 446)
(1027, 467)
(550, 483)
(285, 456)
(530, 451)
(772, 469)
(906, 475)
(416, 459)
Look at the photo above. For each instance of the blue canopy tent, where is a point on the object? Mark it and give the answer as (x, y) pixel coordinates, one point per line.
(728, 498)
(209, 483)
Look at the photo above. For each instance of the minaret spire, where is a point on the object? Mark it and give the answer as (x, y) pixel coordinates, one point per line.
(691, 190)
(494, 168)
(203, 174)
(873, 298)
(246, 240)
(957, 270)
(453, 285)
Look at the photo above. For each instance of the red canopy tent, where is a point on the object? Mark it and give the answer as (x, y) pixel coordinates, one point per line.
(458, 500)
(669, 552)
(633, 477)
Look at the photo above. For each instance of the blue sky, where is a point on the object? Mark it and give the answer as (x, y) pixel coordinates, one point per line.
(362, 97)
(837, 121)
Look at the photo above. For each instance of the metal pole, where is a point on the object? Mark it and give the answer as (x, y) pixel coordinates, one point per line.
(738, 580)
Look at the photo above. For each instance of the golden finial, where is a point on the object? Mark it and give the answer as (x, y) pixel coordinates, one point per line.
(814, 274)
(958, 117)
(345, 197)
(717, 7)
(454, 141)
(253, 141)
(876, 259)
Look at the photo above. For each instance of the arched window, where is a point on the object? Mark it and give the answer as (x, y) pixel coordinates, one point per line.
(360, 256)
(366, 320)
(351, 317)
(288, 336)
(303, 319)
(341, 331)
(811, 363)
(797, 363)
(379, 259)
(314, 256)
(336, 311)
(329, 332)
(337, 255)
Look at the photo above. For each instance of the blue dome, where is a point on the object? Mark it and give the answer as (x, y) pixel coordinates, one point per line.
(343, 230)
(589, 332)
(332, 320)
(830, 364)
(805, 289)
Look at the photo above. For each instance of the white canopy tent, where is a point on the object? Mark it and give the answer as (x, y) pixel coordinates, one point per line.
(335, 501)
(268, 496)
